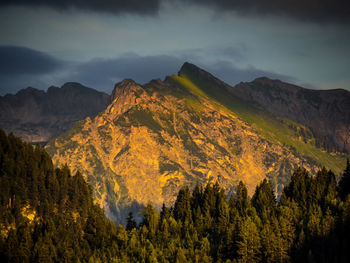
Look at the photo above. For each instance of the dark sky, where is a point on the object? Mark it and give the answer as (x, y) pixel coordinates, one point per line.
(99, 43)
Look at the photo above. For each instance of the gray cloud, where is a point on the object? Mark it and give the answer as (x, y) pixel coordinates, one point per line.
(22, 60)
(235, 53)
(104, 73)
(308, 10)
(148, 7)
(24, 67)
(232, 74)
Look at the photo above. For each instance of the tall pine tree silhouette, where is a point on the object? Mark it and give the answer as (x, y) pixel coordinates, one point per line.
(344, 183)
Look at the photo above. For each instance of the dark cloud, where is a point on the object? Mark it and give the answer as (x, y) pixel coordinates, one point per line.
(104, 73)
(309, 10)
(107, 6)
(22, 60)
(21, 67)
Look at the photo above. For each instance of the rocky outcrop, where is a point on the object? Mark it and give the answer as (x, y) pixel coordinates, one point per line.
(38, 116)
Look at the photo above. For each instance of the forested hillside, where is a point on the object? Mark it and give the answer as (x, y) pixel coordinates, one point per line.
(47, 215)
(310, 223)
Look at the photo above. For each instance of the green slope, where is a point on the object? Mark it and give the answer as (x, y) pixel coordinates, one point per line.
(277, 130)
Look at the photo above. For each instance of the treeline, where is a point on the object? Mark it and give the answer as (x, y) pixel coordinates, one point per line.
(47, 215)
(310, 223)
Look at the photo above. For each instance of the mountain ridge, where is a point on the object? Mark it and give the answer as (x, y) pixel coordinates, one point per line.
(325, 112)
(38, 116)
(155, 138)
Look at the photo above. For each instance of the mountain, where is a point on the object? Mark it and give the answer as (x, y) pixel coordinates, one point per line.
(325, 112)
(190, 128)
(38, 116)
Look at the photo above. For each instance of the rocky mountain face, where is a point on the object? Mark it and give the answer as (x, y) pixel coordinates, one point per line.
(153, 139)
(38, 116)
(325, 112)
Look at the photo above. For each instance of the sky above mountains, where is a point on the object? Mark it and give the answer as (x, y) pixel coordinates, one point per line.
(99, 43)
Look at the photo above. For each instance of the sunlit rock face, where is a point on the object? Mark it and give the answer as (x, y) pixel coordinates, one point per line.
(153, 139)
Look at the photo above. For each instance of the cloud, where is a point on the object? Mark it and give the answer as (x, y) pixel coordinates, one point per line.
(307, 10)
(104, 73)
(232, 74)
(143, 7)
(23, 67)
(236, 53)
(21, 60)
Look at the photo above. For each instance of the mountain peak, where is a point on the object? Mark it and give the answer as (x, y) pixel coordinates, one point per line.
(191, 69)
(29, 91)
(276, 84)
(199, 75)
(267, 81)
(124, 88)
(69, 85)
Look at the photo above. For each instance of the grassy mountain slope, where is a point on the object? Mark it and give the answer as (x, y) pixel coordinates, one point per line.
(279, 130)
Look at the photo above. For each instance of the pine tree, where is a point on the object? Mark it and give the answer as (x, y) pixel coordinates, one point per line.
(249, 242)
(180, 256)
(344, 183)
(242, 201)
(298, 188)
(150, 219)
(264, 200)
(182, 207)
(131, 223)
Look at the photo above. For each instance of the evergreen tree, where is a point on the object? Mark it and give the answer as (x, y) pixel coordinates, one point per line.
(249, 242)
(182, 207)
(131, 223)
(242, 201)
(264, 200)
(344, 183)
(298, 188)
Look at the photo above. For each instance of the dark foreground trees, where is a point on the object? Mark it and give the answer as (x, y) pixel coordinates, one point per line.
(47, 215)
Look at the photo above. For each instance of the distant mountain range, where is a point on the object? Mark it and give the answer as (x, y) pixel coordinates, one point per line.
(192, 128)
(38, 116)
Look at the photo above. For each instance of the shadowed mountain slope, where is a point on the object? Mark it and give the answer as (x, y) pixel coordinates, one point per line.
(38, 116)
(325, 112)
